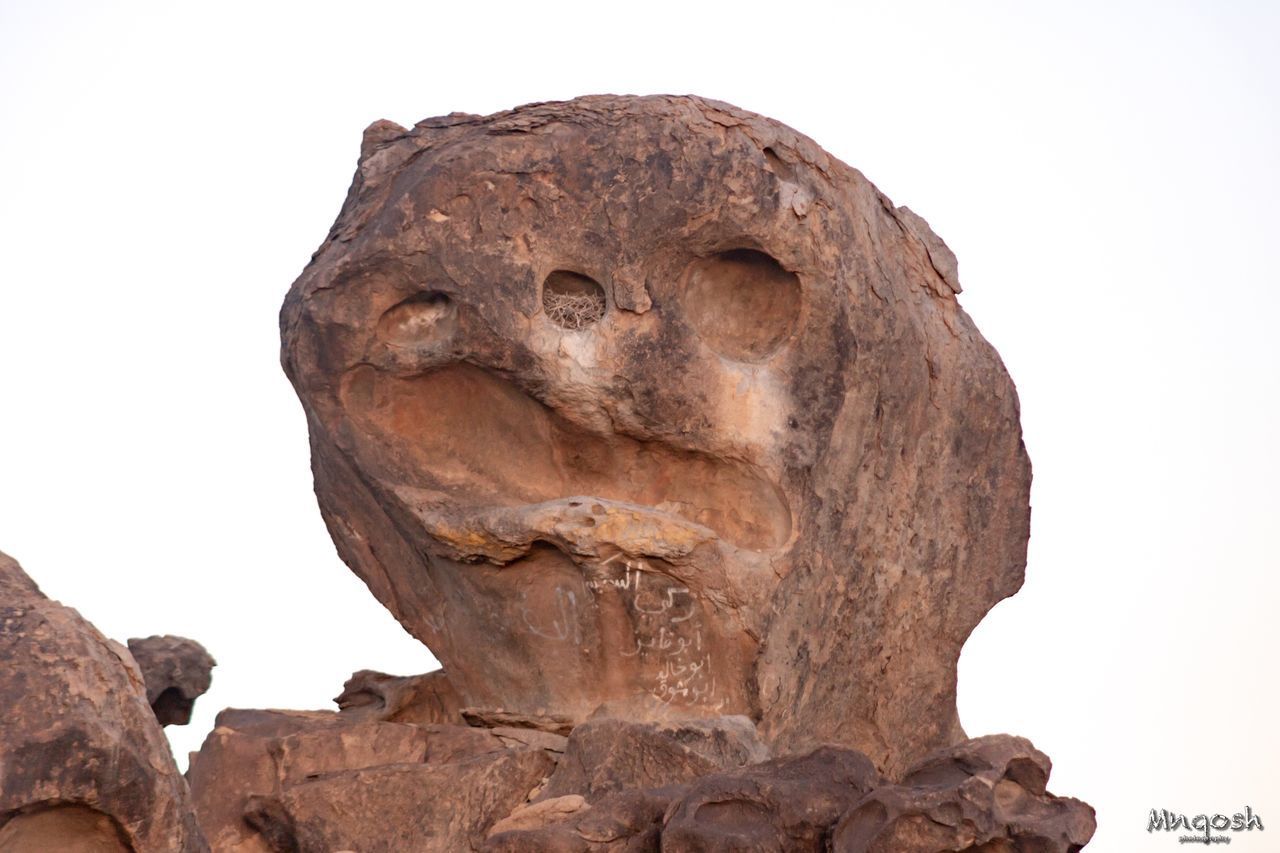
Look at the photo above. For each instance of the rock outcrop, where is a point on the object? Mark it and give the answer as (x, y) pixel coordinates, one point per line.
(177, 671)
(312, 782)
(984, 794)
(297, 781)
(633, 399)
(664, 430)
(84, 766)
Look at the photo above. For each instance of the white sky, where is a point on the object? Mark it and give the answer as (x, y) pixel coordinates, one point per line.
(1108, 173)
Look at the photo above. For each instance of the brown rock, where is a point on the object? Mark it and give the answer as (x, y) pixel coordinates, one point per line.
(235, 765)
(624, 399)
(177, 671)
(420, 699)
(531, 816)
(608, 755)
(400, 807)
(83, 764)
(625, 822)
(787, 804)
(987, 793)
(498, 718)
(255, 781)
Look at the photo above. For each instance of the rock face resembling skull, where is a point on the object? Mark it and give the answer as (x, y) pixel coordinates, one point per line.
(650, 401)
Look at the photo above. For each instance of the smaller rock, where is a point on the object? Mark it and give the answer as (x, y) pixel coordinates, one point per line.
(625, 822)
(418, 699)
(83, 764)
(177, 671)
(604, 755)
(986, 793)
(397, 807)
(786, 804)
(540, 814)
(514, 738)
(491, 718)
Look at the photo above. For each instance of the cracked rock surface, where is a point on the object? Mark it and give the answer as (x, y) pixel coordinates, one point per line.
(84, 766)
(665, 431)
(650, 401)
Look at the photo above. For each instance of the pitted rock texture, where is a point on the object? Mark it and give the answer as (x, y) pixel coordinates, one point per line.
(177, 671)
(788, 804)
(985, 794)
(650, 400)
(84, 766)
(604, 756)
(422, 699)
(296, 782)
(982, 795)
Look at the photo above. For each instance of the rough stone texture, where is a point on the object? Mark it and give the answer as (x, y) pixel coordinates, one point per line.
(177, 671)
(665, 431)
(439, 808)
(420, 699)
(626, 822)
(987, 793)
(301, 781)
(604, 756)
(536, 815)
(83, 764)
(788, 804)
(624, 399)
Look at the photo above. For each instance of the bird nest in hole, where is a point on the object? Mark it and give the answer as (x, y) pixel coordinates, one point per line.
(573, 310)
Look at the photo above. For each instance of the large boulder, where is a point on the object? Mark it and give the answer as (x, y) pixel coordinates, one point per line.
(84, 765)
(607, 755)
(651, 401)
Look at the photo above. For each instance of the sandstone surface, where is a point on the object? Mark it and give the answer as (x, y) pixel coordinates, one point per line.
(84, 766)
(177, 671)
(665, 431)
(630, 399)
(984, 794)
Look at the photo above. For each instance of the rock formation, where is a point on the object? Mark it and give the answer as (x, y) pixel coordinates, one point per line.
(664, 430)
(177, 671)
(775, 471)
(84, 767)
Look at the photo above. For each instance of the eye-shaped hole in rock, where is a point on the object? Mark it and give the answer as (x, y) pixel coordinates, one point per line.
(742, 303)
(572, 300)
(426, 319)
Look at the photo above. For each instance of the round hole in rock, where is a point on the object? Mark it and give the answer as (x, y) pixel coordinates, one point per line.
(742, 303)
(572, 300)
(422, 320)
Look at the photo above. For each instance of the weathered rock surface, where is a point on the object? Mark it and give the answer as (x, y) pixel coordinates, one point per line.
(177, 671)
(420, 699)
(626, 822)
(639, 400)
(665, 431)
(434, 808)
(604, 756)
(987, 793)
(84, 766)
(313, 781)
(788, 804)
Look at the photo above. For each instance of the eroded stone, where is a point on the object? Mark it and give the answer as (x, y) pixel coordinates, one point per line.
(177, 671)
(650, 399)
(84, 765)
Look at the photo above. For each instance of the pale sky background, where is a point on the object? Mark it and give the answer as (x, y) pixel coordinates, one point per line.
(1108, 173)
